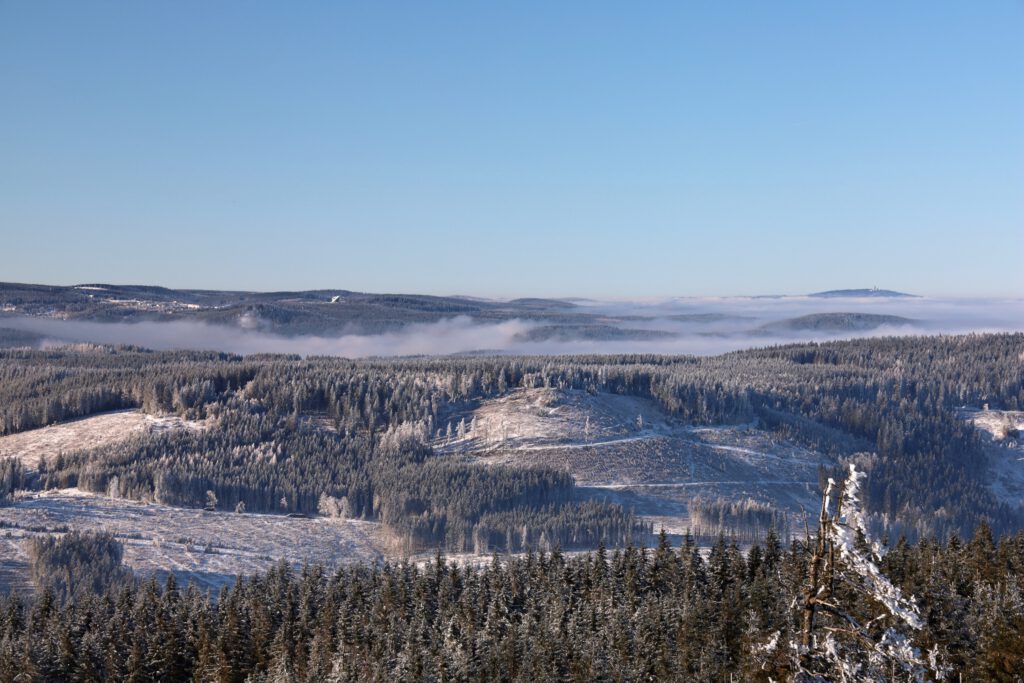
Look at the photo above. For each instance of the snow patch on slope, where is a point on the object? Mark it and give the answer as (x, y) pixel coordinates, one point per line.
(1004, 446)
(210, 548)
(628, 450)
(87, 432)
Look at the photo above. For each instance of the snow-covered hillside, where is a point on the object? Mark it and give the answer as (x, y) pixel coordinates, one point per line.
(1004, 445)
(629, 450)
(88, 432)
(209, 548)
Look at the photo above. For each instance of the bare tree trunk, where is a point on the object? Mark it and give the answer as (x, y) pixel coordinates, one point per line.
(814, 579)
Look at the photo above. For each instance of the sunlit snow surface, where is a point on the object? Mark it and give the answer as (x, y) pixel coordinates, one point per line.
(1003, 440)
(628, 450)
(209, 548)
(94, 431)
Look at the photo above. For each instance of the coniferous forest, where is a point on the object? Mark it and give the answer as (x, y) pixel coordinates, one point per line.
(308, 436)
(632, 614)
(893, 398)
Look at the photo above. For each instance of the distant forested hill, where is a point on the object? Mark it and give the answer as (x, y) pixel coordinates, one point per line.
(872, 292)
(838, 322)
(338, 312)
(290, 313)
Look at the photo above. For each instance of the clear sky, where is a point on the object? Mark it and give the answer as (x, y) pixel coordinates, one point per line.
(515, 149)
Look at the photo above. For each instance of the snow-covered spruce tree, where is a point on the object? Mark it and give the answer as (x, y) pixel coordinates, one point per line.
(854, 620)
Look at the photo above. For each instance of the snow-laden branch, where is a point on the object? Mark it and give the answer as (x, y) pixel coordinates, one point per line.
(851, 651)
(844, 533)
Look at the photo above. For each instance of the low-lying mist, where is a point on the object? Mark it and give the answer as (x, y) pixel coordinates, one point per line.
(677, 326)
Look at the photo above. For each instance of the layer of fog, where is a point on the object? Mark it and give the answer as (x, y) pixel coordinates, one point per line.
(727, 325)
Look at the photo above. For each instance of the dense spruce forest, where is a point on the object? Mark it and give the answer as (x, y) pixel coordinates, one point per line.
(631, 614)
(291, 435)
(358, 439)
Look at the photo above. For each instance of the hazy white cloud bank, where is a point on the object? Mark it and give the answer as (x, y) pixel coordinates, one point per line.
(700, 326)
(452, 335)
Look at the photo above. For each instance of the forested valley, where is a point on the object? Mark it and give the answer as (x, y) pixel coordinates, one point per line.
(361, 440)
(357, 439)
(294, 435)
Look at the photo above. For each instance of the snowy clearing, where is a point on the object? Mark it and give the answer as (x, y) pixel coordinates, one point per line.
(1004, 448)
(209, 548)
(543, 417)
(998, 424)
(670, 485)
(88, 432)
(627, 450)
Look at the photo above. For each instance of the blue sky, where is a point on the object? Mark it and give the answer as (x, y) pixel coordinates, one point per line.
(516, 149)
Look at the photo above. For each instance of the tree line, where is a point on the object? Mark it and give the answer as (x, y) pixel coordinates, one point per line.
(634, 614)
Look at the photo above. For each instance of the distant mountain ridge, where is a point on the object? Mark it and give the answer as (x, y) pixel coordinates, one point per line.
(314, 312)
(873, 292)
(339, 313)
(837, 322)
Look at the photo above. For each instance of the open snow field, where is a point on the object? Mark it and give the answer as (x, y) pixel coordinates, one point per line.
(88, 432)
(628, 450)
(1004, 448)
(209, 548)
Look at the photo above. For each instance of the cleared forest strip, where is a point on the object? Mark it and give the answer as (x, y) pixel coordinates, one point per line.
(680, 484)
(88, 432)
(210, 548)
